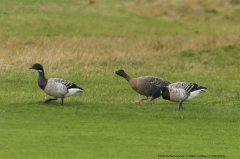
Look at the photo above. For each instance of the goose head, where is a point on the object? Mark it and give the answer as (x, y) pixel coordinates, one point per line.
(37, 67)
(157, 93)
(120, 72)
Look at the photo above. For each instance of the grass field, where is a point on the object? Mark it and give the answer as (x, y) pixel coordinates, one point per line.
(84, 42)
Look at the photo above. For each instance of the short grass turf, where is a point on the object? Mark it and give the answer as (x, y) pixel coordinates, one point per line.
(107, 126)
(111, 130)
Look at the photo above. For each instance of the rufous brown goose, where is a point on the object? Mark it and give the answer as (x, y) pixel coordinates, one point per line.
(145, 85)
(55, 87)
(179, 92)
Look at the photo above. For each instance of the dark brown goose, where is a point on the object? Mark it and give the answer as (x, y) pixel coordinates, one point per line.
(145, 85)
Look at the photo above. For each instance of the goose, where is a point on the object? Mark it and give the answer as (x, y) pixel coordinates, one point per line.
(55, 87)
(179, 92)
(145, 85)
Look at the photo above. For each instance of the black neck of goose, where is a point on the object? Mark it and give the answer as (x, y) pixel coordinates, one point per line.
(165, 93)
(42, 81)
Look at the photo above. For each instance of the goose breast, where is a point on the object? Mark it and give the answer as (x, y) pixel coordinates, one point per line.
(55, 88)
(178, 94)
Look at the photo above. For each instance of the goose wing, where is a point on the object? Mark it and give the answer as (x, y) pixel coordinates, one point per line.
(66, 83)
(189, 87)
(147, 85)
(157, 81)
(185, 86)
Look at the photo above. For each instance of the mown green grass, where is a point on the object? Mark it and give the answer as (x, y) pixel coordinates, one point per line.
(69, 18)
(120, 130)
(104, 121)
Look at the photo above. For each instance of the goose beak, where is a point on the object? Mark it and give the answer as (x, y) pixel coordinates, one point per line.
(31, 67)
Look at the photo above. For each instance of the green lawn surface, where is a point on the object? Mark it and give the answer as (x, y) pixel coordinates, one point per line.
(104, 122)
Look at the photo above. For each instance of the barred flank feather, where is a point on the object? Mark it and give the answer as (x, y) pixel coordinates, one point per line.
(66, 83)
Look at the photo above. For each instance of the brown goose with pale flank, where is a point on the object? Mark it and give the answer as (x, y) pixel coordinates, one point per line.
(145, 85)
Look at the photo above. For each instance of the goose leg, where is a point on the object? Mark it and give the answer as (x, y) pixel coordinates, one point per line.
(50, 100)
(152, 101)
(180, 105)
(62, 100)
(140, 100)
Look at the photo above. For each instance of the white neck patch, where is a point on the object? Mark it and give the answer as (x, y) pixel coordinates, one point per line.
(39, 70)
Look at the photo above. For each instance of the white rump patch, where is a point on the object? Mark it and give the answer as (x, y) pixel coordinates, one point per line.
(72, 91)
(194, 94)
